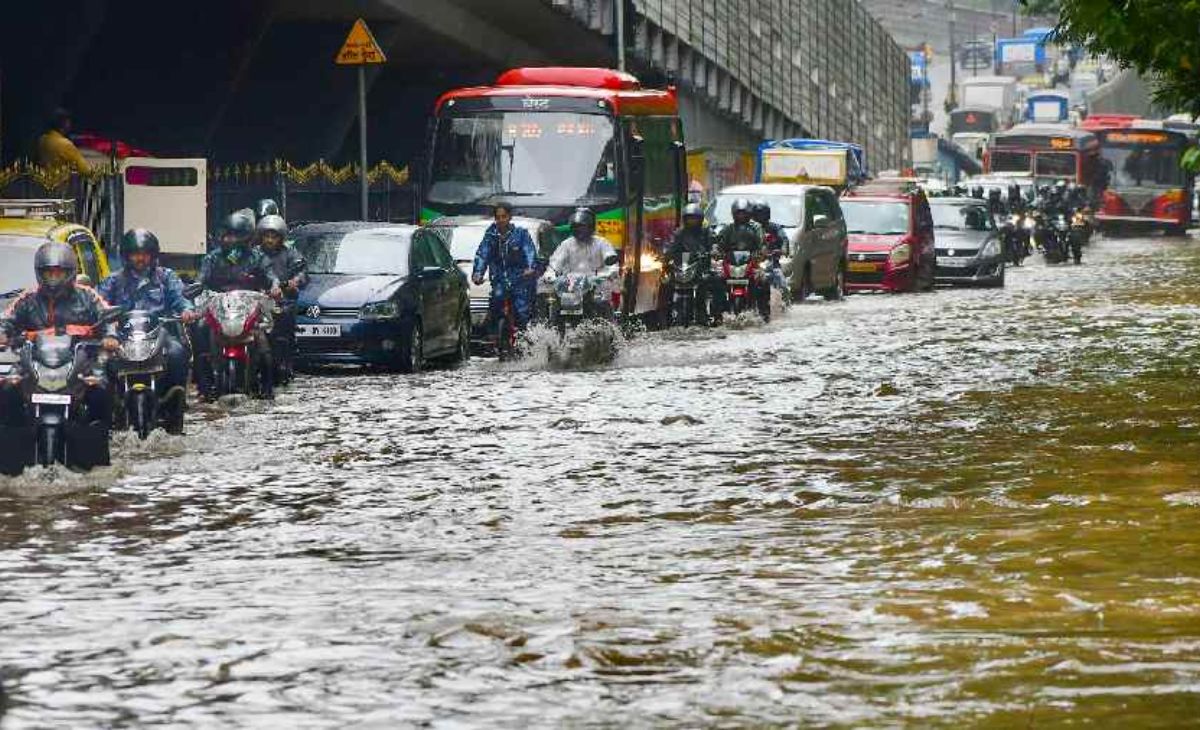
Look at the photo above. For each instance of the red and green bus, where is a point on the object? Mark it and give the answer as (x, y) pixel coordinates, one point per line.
(1147, 185)
(552, 139)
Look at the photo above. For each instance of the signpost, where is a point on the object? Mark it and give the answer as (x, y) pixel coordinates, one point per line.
(361, 50)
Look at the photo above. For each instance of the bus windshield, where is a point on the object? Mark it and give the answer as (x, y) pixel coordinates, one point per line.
(1056, 164)
(531, 158)
(1011, 161)
(1143, 167)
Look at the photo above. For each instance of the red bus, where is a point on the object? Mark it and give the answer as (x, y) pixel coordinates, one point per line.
(1047, 153)
(1147, 187)
(551, 139)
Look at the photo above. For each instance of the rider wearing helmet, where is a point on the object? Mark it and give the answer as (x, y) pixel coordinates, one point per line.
(142, 284)
(583, 252)
(57, 303)
(774, 236)
(743, 234)
(264, 208)
(696, 240)
(236, 264)
(289, 267)
(507, 255)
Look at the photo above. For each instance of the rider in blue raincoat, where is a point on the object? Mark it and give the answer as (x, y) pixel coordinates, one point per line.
(507, 253)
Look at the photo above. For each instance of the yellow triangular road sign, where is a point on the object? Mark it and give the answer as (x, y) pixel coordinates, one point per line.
(360, 47)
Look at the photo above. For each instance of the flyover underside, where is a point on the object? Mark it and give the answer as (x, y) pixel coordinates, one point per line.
(254, 79)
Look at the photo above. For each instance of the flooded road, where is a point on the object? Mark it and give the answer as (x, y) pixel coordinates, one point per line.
(963, 508)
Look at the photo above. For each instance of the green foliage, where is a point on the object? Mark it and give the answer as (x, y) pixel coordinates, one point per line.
(1159, 38)
(1040, 7)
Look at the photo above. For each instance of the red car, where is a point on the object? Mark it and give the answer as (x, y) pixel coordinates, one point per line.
(891, 245)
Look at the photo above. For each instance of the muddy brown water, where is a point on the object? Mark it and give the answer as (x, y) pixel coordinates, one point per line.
(967, 508)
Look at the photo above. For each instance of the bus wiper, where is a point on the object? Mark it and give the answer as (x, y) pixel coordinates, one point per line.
(506, 194)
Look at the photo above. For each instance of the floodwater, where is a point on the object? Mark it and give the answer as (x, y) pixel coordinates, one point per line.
(967, 508)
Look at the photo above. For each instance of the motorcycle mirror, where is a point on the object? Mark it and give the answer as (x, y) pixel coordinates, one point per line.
(820, 221)
(191, 291)
(112, 314)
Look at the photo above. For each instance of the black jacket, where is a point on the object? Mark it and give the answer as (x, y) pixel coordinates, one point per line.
(34, 311)
(247, 269)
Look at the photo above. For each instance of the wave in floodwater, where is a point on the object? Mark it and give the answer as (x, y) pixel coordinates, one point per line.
(917, 510)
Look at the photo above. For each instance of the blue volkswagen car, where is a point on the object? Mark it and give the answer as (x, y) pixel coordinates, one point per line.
(380, 294)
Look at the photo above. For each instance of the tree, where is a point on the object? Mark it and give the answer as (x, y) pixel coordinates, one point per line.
(1159, 38)
(1040, 7)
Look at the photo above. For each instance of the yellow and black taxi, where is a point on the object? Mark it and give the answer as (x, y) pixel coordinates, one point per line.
(27, 224)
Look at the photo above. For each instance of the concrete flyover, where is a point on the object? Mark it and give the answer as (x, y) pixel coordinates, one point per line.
(253, 79)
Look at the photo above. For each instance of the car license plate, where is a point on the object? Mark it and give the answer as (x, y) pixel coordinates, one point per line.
(318, 330)
(51, 399)
(953, 263)
(861, 266)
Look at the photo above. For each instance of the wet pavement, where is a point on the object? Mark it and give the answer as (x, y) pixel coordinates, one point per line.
(961, 508)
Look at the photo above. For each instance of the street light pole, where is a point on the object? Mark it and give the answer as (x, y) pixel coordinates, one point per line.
(952, 96)
(362, 140)
(620, 9)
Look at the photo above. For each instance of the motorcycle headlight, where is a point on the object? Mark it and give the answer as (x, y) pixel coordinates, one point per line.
(990, 249)
(381, 310)
(1030, 224)
(138, 350)
(52, 379)
(900, 254)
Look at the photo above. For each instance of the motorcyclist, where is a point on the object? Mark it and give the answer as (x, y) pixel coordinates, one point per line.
(142, 284)
(583, 252)
(774, 239)
(236, 265)
(291, 269)
(696, 240)
(57, 303)
(743, 234)
(508, 256)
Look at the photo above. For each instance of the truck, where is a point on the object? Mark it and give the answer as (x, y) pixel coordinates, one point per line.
(840, 165)
(998, 93)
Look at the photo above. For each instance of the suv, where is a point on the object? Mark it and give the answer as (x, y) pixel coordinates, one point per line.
(891, 240)
(815, 250)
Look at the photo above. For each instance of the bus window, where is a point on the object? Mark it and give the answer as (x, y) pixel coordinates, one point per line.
(1008, 161)
(1056, 164)
(1143, 167)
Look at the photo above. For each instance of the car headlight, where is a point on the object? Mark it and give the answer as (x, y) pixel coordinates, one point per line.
(990, 249)
(900, 254)
(381, 310)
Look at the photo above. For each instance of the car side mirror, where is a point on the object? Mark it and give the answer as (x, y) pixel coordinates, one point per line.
(820, 221)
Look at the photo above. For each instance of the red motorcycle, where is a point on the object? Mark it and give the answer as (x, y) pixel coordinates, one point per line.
(237, 322)
(741, 273)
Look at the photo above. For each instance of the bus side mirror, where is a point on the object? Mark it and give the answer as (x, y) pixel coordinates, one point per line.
(611, 260)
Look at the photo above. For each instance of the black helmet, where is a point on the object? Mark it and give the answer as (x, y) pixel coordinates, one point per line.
(138, 240)
(55, 255)
(266, 207)
(583, 217)
(994, 195)
(240, 225)
(1014, 191)
(977, 192)
(741, 205)
(761, 210)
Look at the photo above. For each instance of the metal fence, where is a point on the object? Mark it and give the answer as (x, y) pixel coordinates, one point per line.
(823, 68)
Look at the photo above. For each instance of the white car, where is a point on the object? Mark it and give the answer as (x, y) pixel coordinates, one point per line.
(463, 234)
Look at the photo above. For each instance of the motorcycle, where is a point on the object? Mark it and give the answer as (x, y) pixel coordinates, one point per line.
(139, 368)
(56, 372)
(577, 298)
(741, 274)
(1015, 235)
(1081, 234)
(234, 319)
(1057, 240)
(687, 278)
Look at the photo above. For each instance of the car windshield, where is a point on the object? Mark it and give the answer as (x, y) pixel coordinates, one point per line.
(536, 158)
(875, 218)
(464, 242)
(1143, 167)
(381, 251)
(786, 210)
(17, 254)
(961, 217)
